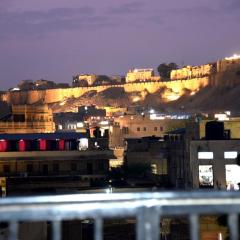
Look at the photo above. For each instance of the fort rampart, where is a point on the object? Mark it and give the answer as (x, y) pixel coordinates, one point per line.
(56, 95)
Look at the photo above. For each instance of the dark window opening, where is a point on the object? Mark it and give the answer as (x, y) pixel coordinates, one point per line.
(19, 118)
(29, 168)
(55, 167)
(6, 168)
(45, 169)
(89, 168)
(73, 167)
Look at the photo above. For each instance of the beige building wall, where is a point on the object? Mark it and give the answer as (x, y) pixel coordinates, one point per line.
(90, 78)
(228, 65)
(142, 126)
(37, 119)
(233, 125)
(139, 75)
(190, 72)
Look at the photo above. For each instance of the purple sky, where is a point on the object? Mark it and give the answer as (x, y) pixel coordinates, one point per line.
(55, 39)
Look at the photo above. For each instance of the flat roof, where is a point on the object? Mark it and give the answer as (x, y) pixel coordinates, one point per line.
(47, 136)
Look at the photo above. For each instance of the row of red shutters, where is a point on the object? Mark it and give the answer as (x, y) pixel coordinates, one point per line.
(22, 145)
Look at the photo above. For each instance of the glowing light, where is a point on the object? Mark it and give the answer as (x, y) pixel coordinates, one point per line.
(192, 93)
(228, 113)
(83, 144)
(230, 155)
(173, 97)
(152, 111)
(136, 99)
(156, 117)
(80, 125)
(109, 190)
(220, 236)
(104, 122)
(234, 57)
(15, 89)
(221, 117)
(205, 155)
(232, 176)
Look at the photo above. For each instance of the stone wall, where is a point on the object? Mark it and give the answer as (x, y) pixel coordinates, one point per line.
(56, 95)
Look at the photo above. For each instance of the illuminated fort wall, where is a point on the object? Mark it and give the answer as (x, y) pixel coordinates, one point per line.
(57, 95)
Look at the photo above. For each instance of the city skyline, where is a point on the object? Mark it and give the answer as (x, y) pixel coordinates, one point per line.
(55, 40)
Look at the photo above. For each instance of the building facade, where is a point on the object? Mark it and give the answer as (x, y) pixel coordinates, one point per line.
(190, 72)
(56, 161)
(28, 119)
(141, 75)
(80, 80)
(138, 126)
(214, 164)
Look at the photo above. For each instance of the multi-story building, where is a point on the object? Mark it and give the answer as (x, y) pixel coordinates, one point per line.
(203, 155)
(214, 164)
(141, 75)
(149, 151)
(53, 161)
(189, 72)
(80, 80)
(229, 64)
(28, 119)
(138, 126)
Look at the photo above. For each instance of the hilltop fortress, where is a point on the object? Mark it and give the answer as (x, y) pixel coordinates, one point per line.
(223, 72)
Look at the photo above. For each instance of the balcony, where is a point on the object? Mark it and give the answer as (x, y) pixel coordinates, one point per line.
(146, 208)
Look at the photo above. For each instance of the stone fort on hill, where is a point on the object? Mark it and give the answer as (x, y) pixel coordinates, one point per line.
(223, 72)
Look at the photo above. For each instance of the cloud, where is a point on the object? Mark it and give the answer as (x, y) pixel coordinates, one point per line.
(127, 8)
(44, 22)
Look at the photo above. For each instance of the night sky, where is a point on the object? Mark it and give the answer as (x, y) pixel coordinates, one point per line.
(55, 39)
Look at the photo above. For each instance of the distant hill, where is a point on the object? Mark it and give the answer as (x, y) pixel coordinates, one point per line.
(208, 99)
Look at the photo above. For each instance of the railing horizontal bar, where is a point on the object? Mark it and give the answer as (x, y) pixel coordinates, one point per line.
(111, 205)
(73, 198)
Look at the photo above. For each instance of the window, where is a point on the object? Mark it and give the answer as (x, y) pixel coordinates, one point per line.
(161, 129)
(154, 168)
(45, 169)
(89, 168)
(125, 130)
(83, 144)
(155, 129)
(6, 168)
(29, 168)
(205, 176)
(73, 167)
(55, 167)
(101, 166)
(230, 155)
(232, 176)
(138, 129)
(205, 155)
(144, 129)
(19, 118)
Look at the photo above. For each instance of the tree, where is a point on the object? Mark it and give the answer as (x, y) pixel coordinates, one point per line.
(165, 69)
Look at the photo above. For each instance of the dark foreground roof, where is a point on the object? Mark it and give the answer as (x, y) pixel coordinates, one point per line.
(47, 136)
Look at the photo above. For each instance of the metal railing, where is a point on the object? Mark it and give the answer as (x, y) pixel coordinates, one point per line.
(147, 208)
